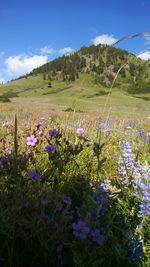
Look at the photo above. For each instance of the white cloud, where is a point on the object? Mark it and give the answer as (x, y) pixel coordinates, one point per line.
(144, 55)
(47, 50)
(147, 41)
(104, 39)
(20, 65)
(66, 51)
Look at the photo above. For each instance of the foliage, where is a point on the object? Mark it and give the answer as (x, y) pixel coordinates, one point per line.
(70, 197)
(101, 60)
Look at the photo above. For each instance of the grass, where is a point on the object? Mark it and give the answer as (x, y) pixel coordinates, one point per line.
(82, 95)
(39, 231)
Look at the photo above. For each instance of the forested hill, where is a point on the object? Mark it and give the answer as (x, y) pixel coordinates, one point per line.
(104, 62)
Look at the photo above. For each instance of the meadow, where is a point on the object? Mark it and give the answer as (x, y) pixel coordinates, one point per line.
(74, 187)
(75, 165)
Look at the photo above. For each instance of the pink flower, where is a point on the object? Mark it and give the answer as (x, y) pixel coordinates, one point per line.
(80, 131)
(40, 132)
(31, 140)
(5, 124)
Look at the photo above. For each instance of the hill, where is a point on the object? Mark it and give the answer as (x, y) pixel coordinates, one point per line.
(83, 79)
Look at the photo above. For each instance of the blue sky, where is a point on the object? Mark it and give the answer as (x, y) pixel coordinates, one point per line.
(35, 31)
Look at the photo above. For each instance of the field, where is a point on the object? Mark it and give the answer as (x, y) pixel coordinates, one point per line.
(82, 95)
(75, 174)
(74, 185)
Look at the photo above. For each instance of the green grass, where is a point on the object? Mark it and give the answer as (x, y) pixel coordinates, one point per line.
(83, 94)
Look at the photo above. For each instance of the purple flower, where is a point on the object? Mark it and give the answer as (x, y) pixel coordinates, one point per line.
(127, 154)
(39, 123)
(105, 127)
(40, 132)
(31, 140)
(50, 149)
(34, 175)
(104, 186)
(67, 200)
(142, 188)
(85, 139)
(53, 133)
(80, 131)
(26, 115)
(5, 124)
(144, 136)
(98, 237)
(80, 230)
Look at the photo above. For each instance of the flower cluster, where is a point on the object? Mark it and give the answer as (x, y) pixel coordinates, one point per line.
(34, 175)
(138, 174)
(125, 163)
(144, 136)
(142, 188)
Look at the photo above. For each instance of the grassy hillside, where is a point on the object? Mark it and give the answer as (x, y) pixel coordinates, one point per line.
(82, 81)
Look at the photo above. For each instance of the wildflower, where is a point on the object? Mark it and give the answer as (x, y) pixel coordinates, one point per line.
(144, 136)
(142, 188)
(127, 154)
(8, 151)
(85, 139)
(39, 123)
(126, 163)
(80, 131)
(67, 200)
(50, 149)
(5, 124)
(80, 230)
(31, 140)
(98, 237)
(26, 115)
(104, 186)
(40, 132)
(34, 175)
(53, 133)
(134, 249)
(105, 127)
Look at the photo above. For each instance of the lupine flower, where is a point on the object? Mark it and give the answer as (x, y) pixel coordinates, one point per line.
(34, 175)
(80, 230)
(26, 116)
(142, 188)
(31, 140)
(53, 133)
(126, 162)
(135, 250)
(50, 149)
(98, 237)
(127, 154)
(144, 136)
(134, 246)
(80, 131)
(104, 185)
(105, 127)
(101, 196)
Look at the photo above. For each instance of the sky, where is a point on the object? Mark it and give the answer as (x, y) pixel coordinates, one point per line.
(33, 32)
